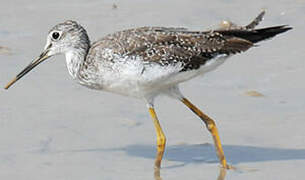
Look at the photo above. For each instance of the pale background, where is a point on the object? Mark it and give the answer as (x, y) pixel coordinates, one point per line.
(52, 128)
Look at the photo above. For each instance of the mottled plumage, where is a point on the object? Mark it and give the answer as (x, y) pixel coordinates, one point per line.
(168, 46)
(147, 48)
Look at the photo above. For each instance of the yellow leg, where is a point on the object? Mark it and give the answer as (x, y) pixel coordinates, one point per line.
(161, 140)
(211, 126)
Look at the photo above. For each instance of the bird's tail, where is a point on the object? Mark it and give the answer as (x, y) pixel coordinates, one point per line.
(257, 35)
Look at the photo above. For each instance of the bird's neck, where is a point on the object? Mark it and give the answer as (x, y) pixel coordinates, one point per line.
(78, 68)
(75, 60)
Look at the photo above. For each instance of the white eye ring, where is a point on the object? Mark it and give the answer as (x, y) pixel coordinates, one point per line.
(55, 35)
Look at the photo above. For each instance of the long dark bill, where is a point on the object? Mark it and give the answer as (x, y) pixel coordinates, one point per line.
(43, 56)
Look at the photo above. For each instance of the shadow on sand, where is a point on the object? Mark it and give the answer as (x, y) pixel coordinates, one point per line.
(205, 153)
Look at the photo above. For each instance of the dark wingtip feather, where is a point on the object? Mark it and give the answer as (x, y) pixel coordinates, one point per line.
(266, 33)
(256, 35)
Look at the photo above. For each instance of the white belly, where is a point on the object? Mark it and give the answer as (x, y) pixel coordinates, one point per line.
(139, 79)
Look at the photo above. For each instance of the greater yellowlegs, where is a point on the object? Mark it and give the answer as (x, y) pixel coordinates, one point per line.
(147, 61)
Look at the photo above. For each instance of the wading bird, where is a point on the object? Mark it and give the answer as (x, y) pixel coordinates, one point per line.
(147, 61)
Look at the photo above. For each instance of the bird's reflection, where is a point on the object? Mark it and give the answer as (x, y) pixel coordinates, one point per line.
(157, 174)
(221, 174)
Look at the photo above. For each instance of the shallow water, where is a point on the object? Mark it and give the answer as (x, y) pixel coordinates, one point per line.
(52, 128)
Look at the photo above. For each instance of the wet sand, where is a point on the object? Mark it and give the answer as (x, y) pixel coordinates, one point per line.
(52, 128)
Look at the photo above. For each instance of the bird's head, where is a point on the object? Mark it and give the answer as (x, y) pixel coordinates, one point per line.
(62, 38)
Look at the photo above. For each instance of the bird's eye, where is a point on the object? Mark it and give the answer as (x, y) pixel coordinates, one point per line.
(55, 35)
